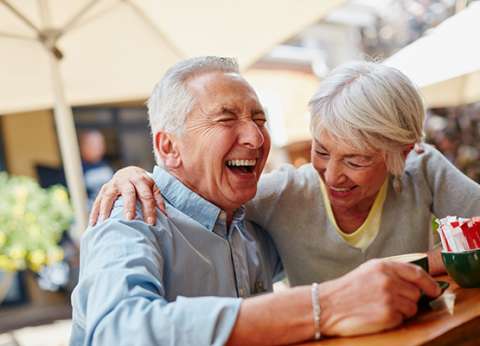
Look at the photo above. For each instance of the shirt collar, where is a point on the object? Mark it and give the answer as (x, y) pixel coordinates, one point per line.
(188, 202)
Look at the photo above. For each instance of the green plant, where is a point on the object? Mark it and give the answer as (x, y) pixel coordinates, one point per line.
(32, 221)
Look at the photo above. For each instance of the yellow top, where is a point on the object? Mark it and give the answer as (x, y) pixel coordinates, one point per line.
(367, 232)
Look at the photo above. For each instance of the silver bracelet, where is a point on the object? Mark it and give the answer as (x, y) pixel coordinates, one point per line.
(316, 311)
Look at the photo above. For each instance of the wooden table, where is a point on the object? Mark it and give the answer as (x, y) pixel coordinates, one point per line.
(28, 315)
(428, 327)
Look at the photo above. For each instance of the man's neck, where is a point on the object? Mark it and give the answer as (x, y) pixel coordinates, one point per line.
(228, 211)
(229, 218)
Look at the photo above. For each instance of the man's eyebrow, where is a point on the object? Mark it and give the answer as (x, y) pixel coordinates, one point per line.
(230, 108)
(222, 109)
(258, 111)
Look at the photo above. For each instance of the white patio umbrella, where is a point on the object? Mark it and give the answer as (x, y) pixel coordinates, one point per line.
(445, 64)
(57, 53)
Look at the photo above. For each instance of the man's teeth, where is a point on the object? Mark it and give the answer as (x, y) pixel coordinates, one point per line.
(241, 162)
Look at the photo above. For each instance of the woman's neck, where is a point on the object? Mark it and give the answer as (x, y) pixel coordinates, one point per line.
(351, 219)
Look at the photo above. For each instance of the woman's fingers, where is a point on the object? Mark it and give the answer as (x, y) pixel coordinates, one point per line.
(129, 196)
(108, 198)
(148, 206)
(92, 219)
(159, 200)
(144, 187)
(130, 183)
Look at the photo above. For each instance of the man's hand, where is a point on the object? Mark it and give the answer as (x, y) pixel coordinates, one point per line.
(130, 183)
(376, 296)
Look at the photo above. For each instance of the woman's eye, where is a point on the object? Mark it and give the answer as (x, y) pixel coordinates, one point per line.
(353, 164)
(321, 154)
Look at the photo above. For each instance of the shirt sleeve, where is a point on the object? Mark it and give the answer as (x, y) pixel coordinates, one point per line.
(120, 298)
(453, 193)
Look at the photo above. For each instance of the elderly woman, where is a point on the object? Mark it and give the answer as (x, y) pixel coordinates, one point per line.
(365, 195)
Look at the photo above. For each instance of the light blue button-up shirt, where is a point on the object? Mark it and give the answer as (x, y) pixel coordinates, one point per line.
(179, 282)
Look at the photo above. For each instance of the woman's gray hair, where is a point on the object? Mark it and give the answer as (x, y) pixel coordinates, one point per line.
(372, 107)
(171, 101)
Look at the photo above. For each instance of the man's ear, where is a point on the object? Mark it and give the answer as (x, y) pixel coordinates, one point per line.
(167, 149)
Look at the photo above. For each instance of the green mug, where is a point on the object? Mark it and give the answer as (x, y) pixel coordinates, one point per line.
(463, 267)
(420, 259)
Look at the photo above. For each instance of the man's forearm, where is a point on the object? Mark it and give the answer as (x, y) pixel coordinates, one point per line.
(366, 300)
(275, 319)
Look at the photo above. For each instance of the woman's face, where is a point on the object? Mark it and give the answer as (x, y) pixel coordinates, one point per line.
(352, 177)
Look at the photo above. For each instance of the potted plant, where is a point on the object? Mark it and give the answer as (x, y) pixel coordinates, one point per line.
(32, 221)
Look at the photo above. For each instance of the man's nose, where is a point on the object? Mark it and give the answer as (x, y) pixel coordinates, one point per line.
(250, 135)
(333, 173)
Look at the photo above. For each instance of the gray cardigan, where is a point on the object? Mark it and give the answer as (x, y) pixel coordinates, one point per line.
(290, 206)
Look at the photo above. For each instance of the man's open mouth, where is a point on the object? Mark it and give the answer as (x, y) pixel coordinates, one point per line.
(241, 166)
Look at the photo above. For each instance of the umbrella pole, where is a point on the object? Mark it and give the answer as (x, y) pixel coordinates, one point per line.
(69, 148)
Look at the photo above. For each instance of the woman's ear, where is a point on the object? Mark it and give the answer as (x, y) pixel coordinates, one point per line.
(167, 149)
(408, 148)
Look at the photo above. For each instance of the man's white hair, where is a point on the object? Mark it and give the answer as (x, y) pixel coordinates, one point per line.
(371, 107)
(171, 101)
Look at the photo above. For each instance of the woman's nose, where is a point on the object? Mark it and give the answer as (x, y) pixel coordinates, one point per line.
(333, 173)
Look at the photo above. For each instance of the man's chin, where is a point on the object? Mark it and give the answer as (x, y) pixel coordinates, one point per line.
(240, 197)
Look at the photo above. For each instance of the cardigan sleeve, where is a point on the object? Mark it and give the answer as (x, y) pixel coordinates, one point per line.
(452, 192)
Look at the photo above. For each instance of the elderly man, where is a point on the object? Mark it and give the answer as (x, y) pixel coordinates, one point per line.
(185, 281)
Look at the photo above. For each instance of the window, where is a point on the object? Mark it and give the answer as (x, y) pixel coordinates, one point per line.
(126, 133)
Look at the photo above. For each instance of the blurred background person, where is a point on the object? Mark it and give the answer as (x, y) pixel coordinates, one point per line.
(96, 170)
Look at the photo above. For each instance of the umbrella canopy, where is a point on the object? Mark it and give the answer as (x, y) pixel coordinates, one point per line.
(57, 53)
(445, 64)
(116, 50)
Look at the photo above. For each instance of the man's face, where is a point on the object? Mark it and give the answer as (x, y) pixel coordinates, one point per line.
(225, 143)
